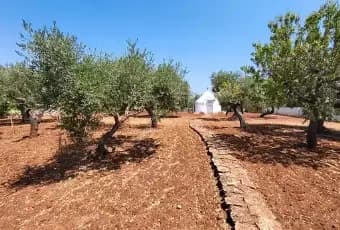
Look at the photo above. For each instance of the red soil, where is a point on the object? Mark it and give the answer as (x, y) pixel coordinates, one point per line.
(154, 179)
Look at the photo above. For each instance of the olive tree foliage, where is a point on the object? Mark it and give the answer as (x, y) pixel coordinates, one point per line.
(57, 59)
(53, 55)
(232, 91)
(17, 88)
(168, 92)
(191, 101)
(125, 88)
(133, 84)
(218, 78)
(81, 100)
(265, 92)
(186, 97)
(4, 100)
(217, 81)
(128, 80)
(302, 59)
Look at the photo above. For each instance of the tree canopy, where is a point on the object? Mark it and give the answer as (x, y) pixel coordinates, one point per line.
(53, 55)
(83, 85)
(232, 90)
(302, 61)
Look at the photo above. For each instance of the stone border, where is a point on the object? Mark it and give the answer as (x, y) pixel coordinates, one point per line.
(245, 207)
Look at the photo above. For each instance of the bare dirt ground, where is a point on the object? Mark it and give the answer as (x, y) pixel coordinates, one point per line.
(154, 179)
(301, 186)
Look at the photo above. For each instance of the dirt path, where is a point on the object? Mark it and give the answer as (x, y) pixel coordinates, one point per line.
(156, 179)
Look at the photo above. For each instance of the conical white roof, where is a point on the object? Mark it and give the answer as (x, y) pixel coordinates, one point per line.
(206, 96)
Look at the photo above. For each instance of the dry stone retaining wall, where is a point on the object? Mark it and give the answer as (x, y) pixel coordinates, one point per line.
(246, 207)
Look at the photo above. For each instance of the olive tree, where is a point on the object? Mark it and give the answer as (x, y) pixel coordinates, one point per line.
(303, 59)
(53, 56)
(19, 88)
(126, 87)
(80, 103)
(169, 91)
(232, 91)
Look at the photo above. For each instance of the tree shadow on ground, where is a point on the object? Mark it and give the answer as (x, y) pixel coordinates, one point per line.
(287, 130)
(140, 126)
(48, 120)
(142, 115)
(276, 130)
(268, 117)
(331, 134)
(213, 118)
(273, 144)
(163, 116)
(217, 127)
(70, 160)
(56, 127)
(22, 138)
(170, 116)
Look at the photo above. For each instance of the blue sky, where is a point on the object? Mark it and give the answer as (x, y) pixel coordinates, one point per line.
(205, 36)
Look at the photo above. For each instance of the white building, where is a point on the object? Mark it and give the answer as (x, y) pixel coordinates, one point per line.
(297, 112)
(207, 103)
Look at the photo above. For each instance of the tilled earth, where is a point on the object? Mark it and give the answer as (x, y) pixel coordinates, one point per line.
(153, 179)
(301, 186)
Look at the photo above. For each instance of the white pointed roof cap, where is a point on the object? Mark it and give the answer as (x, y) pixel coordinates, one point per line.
(206, 96)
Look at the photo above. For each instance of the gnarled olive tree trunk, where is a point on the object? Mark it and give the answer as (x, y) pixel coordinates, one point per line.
(152, 113)
(102, 147)
(314, 127)
(239, 115)
(228, 109)
(35, 117)
(267, 112)
(25, 117)
(312, 134)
